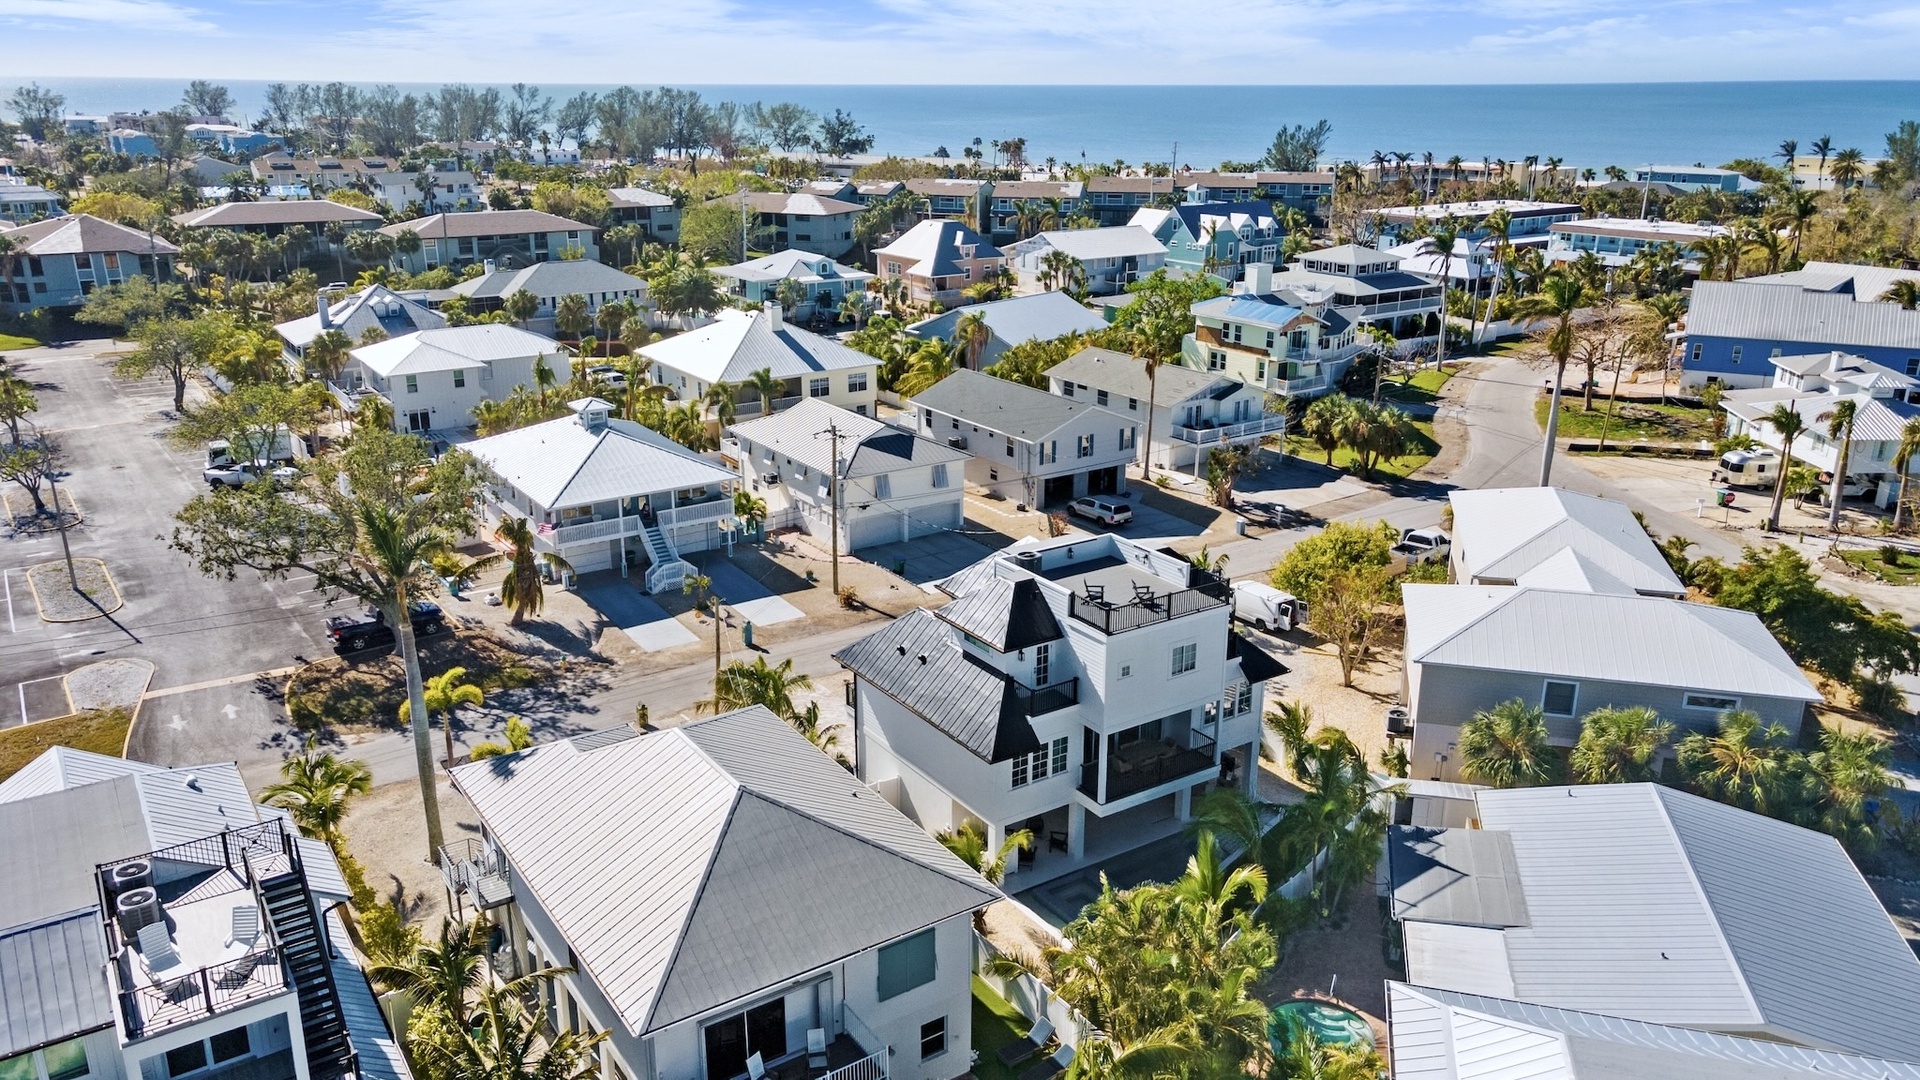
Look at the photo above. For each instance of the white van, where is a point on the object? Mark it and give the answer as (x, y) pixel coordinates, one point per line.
(1749, 468)
(1266, 607)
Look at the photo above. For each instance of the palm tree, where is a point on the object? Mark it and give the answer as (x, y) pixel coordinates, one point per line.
(316, 789)
(443, 974)
(523, 590)
(1903, 453)
(1787, 421)
(1741, 763)
(1290, 723)
(1822, 146)
(1506, 746)
(741, 685)
(445, 693)
(1792, 210)
(1849, 166)
(1560, 296)
(1617, 745)
(327, 353)
(719, 398)
(612, 318)
(570, 315)
(750, 508)
(1789, 149)
(1843, 776)
(1325, 421)
(1719, 255)
(970, 334)
(969, 842)
(1905, 292)
(1445, 234)
(1761, 238)
(1839, 420)
(520, 306)
(768, 389)
(930, 363)
(507, 1040)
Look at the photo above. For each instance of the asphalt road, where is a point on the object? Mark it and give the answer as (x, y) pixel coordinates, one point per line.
(128, 481)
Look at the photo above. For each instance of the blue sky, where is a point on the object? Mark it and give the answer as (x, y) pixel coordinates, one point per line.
(966, 41)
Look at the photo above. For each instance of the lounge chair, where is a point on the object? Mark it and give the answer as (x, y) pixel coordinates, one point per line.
(156, 948)
(246, 925)
(756, 1066)
(1040, 1035)
(1049, 1067)
(816, 1048)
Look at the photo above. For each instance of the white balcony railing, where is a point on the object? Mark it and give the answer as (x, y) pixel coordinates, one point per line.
(604, 529)
(692, 515)
(1270, 424)
(1306, 384)
(871, 1067)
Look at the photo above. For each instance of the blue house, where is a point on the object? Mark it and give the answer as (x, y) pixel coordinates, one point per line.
(1735, 328)
(1214, 238)
(1694, 178)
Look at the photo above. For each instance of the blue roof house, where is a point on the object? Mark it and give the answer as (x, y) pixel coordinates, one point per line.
(1734, 329)
(1214, 238)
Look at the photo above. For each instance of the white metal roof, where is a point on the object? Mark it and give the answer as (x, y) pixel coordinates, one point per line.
(562, 463)
(738, 343)
(1501, 533)
(1645, 640)
(802, 266)
(373, 306)
(452, 348)
(61, 767)
(693, 867)
(867, 446)
(1112, 242)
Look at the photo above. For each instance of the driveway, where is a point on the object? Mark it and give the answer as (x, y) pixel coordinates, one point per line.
(928, 559)
(739, 591)
(634, 612)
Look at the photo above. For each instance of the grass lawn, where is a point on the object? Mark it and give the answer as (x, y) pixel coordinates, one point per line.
(15, 341)
(995, 1024)
(103, 732)
(1399, 469)
(1422, 389)
(1903, 570)
(1631, 420)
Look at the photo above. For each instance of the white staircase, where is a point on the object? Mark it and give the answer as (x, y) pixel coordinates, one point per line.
(669, 571)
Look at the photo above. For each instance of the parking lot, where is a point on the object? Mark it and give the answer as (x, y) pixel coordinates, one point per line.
(127, 482)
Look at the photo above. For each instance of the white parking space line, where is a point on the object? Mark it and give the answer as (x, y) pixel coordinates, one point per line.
(23, 703)
(6, 576)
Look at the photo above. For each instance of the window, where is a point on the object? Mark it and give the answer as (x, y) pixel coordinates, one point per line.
(933, 1038)
(1049, 760)
(185, 1059)
(1042, 663)
(1099, 397)
(1559, 697)
(1133, 404)
(1066, 389)
(229, 1045)
(413, 384)
(1085, 446)
(1185, 658)
(1711, 702)
(68, 1060)
(817, 387)
(905, 964)
(1239, 699)
(993, 474)
(1695, 358)
(459, 379)
(1126, 671)
(882, 486)
(956, 423)
(17, 1068)
(1260, 371)
(1216, 360)
(857, 382)
(1127, 440)
(1009, 446)
(1736, 353)
(940, 475)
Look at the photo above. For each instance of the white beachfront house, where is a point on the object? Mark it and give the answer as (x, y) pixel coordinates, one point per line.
(739, 343)
(434, 379)
(607, 494)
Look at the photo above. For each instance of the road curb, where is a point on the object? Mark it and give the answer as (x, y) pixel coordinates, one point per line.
(40, 608)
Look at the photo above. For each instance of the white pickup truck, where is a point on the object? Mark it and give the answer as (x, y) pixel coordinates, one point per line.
(287, 448)
(1423, 545)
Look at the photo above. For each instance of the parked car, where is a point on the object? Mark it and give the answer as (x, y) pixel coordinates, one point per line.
(608, 374)
(1109, 512)
(1749, 468)
(369, 630)
(1266, 607)
(283, 447)
(242, 474)
(1423, 545)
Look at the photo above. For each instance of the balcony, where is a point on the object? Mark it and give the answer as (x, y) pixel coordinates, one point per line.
(221, 949)
(477, 871)
(1270, 424)
(1147, 608)
(1304, 384)
(1147, 764)
(1039, 702)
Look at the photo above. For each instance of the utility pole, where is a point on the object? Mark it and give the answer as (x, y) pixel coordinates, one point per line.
(59, 519)
(834, 433)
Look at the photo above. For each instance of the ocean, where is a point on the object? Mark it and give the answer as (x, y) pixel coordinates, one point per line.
(1585, 125)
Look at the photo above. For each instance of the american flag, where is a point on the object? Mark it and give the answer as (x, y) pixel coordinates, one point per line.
(545, 529)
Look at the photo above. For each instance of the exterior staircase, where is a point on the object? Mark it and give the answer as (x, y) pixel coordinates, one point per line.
(304, 958)
(669, 571)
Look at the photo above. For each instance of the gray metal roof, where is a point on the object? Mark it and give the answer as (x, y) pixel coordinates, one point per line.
(1126, 376)
(53, 982)
(1038, 317)
(551, 279)
(380, 1056)
(1113, 242)
(1446, 1035)
(867, 446)
(738, 343)
(1738, 309)
(1463, 876)
(637, 196)
(309, 212)
(61, 767)
(77, 234)
(918, 661)
(1863, 283)
(489, 223)
(55, 840)
(932, 248)
(1501, 533)
(1001, 405)
(1008, 614)
(694, 867)
(449, 348)
(802, 266)
(1650, 903)
(1645, 640)
(792, 204)
(561, 463)
(1882, 419)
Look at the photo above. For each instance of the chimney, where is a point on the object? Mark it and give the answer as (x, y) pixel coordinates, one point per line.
(326, 316)
(487, 265)
(773, 310)
(1259, 278)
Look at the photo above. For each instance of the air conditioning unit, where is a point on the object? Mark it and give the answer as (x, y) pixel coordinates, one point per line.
(128, 876)
(136, 908)
(958, 442)
(771, 479)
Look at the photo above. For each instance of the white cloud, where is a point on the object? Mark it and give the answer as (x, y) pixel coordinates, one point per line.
(141, 14)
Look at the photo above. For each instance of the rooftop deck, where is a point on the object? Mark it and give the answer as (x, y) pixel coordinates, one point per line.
(1115, 585)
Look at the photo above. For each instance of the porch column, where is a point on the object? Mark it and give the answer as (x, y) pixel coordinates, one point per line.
(1183, 804)
(1250, 769)
(997, 835)
(1076, 831)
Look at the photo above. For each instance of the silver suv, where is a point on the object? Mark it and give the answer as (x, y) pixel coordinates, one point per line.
(1103, 510)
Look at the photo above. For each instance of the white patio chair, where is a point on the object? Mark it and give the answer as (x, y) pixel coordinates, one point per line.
(156, 948)
(756, 1067)
(816, 1048)
(246, 924)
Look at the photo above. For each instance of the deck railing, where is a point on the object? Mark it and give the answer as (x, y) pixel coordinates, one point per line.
(1116, 618)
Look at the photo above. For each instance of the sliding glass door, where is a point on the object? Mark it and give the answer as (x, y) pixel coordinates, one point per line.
(760, 1030)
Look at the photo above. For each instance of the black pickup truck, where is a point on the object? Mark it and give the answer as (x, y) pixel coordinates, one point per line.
(369, 629)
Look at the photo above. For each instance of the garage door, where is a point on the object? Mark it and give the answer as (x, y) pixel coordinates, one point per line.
(592, 557)
(874, 529)
(933, 519)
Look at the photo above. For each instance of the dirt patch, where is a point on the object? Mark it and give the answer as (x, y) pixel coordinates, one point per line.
(1343, 960)
(356, 695)
(102, 732)
(59, 601)
(20, 514)
(110, 684)
(1313, 679)
(387, 834)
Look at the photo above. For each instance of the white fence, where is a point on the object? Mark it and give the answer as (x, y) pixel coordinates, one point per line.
(1028, 994)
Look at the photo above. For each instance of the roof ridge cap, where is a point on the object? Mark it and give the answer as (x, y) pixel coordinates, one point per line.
(1657, 794)
(700, 889)
(1477, 619)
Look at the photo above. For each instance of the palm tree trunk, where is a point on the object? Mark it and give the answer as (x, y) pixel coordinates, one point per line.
(417, 721)
(1900, 499)
(1553, 425)
(1779, 493)
(1839, 482)
(1146, 452)
(447, 727)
